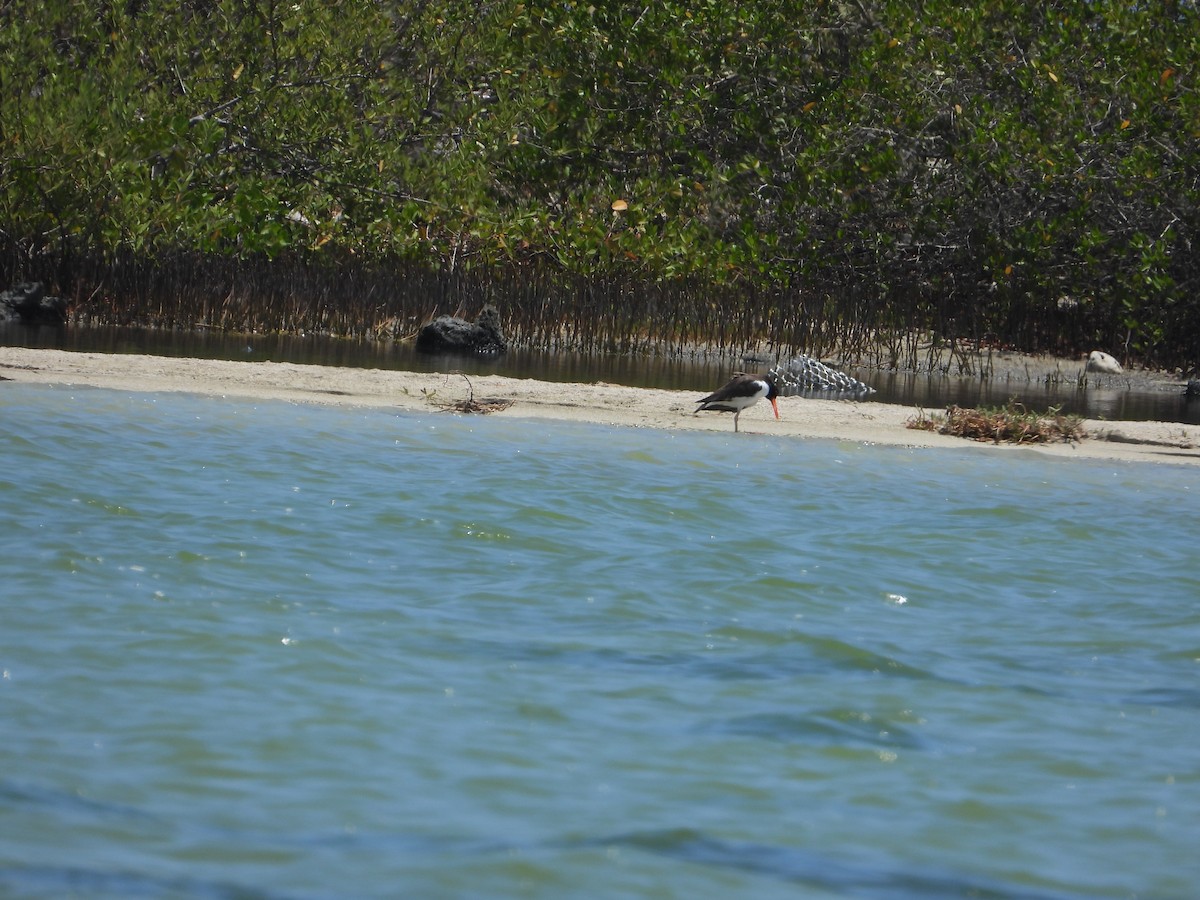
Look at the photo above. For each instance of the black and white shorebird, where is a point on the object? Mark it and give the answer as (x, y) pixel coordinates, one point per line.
(799, 375)
(741, 392)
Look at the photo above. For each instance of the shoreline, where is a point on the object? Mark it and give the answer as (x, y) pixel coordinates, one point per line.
(857, 421)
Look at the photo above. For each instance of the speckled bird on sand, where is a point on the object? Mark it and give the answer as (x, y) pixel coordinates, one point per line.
(799, 375)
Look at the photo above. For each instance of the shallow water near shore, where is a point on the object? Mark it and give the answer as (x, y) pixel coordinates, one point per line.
(1109, 398)
(285, 651)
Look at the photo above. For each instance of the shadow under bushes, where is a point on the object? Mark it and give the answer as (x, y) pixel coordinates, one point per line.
(905, 327)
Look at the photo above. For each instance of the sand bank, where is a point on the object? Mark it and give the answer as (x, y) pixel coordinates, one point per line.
(606, 404)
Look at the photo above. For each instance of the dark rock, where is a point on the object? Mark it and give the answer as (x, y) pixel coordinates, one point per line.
(448, 334)
(27, 302)
(1193, 389)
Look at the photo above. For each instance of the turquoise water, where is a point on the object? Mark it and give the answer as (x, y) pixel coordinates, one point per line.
(279, 651)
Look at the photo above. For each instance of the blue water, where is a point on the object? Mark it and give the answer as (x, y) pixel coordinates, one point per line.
(280, 651)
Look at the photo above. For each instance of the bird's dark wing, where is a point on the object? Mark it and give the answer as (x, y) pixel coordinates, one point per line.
(805, 375)
(738, 387)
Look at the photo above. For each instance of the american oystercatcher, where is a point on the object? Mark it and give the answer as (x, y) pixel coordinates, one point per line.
(742, 392)
(800, 375)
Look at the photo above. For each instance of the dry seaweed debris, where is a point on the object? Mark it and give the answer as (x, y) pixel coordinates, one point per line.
(1011, 424)
(482, 406)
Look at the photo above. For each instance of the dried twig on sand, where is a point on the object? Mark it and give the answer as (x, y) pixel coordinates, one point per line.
(1011, 423)
(482, 406)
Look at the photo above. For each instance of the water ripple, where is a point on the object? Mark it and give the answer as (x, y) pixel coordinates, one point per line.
(857, 879)
(271, 650)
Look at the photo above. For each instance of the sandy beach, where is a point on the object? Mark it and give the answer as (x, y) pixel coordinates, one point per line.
(605, 404)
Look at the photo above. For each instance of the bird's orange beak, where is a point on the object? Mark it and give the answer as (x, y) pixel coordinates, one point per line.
(775, 406)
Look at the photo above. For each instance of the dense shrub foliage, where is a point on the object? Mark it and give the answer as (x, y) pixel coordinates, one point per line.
(1028, 173)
